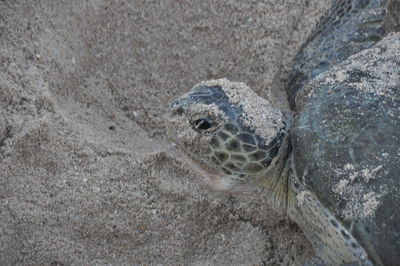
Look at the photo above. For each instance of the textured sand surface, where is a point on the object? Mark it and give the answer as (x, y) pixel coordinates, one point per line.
(86, 175)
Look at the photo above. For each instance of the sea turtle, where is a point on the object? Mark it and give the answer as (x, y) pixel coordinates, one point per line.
(332, 162)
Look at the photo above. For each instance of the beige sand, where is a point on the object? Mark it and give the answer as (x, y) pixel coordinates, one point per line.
(86, 175)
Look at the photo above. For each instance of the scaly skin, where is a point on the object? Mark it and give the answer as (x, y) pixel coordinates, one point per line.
(211, 125)
(238, 158)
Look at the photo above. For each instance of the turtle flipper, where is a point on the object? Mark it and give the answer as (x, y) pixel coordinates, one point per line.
(349, 27)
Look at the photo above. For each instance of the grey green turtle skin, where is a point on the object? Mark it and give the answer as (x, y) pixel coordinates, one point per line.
(332, 163)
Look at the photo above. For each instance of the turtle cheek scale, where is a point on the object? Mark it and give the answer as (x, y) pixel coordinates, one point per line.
(239, 154)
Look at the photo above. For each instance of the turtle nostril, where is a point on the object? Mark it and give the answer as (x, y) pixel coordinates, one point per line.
(176, 108)
(179, 110)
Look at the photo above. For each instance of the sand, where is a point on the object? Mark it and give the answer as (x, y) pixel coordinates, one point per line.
(86, 174)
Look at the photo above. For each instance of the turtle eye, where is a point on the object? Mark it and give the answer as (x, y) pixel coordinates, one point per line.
(203, 123)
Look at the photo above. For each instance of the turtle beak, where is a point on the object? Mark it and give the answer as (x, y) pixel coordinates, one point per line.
(175, 110)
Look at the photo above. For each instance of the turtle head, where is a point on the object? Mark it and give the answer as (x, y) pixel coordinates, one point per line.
(229, 134)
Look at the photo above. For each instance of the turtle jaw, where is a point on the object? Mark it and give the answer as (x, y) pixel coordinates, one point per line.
(210, 174)
(235, 159)
(223, 164)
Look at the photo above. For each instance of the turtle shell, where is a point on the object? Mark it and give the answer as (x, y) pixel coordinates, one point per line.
(346, 145)
(349, 27)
